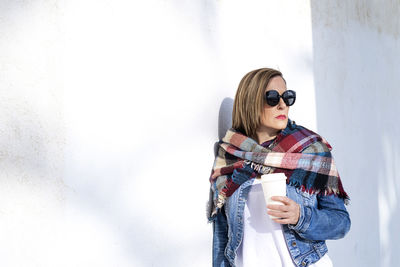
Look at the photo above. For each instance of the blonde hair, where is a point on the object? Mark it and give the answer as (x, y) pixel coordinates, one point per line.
(249, 100)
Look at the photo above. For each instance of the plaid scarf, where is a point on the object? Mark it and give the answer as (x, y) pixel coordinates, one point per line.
(302, 155)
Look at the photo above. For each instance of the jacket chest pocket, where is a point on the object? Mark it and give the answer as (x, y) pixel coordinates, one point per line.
(301, 197)
(308, 199)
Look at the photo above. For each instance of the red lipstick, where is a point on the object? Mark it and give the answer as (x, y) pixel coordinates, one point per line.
(281, 117)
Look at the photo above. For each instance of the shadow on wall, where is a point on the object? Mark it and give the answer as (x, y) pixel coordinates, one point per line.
(356, 77)
(389, 196)
(224, 119)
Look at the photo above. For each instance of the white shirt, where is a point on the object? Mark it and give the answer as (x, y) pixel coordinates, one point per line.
(263, 243)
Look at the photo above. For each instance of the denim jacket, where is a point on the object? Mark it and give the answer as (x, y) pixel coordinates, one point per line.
(321, 218)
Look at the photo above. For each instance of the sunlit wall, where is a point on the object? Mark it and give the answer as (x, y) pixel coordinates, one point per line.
(357, 74)
(110, 109)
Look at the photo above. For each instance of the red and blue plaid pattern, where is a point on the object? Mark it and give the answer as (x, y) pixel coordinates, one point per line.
(301, 154)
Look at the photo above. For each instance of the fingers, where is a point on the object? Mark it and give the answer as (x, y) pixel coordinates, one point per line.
(278, 214)
(284, 217)
(278, 207)
(282, 221)
(284, 200)
(287, 202)
(288, 213)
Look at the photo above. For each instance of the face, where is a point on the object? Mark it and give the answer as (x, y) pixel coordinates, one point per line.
(274, 118)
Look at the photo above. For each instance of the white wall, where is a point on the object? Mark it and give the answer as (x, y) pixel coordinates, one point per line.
(357, 73)
(110, 109)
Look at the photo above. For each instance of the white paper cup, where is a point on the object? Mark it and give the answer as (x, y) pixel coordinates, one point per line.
(273, 184)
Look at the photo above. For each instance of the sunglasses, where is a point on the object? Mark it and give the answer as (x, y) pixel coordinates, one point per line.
(272, 97)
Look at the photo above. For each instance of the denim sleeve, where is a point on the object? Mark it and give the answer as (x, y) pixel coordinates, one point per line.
(220, 239)
(328, 220)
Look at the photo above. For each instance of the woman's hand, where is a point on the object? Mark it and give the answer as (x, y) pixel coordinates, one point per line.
(288, 213)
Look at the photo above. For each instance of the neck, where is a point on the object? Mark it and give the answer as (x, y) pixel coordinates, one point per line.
(264, 136)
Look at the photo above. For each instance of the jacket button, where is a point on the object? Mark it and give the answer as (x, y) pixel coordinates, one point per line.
(294, 243)
(303, 264)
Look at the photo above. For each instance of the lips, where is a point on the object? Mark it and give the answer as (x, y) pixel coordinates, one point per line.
(281, 117)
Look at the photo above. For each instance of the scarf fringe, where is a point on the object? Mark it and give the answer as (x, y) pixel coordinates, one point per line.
(322, 192)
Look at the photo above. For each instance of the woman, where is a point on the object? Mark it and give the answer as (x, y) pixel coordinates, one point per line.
(263, 140)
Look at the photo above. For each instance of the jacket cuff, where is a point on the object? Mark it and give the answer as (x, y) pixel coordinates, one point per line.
(304, 220)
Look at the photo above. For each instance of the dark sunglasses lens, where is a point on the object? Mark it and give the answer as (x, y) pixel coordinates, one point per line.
(272, 97)
(289, 97)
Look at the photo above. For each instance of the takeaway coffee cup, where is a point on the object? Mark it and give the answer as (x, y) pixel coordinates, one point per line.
(273, 184)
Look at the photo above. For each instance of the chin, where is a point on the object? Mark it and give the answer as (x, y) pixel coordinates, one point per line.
(282, 125)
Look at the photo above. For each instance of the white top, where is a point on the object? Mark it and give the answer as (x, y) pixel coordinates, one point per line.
(263, 241)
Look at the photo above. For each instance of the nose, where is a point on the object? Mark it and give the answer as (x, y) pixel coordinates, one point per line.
(281, 104)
